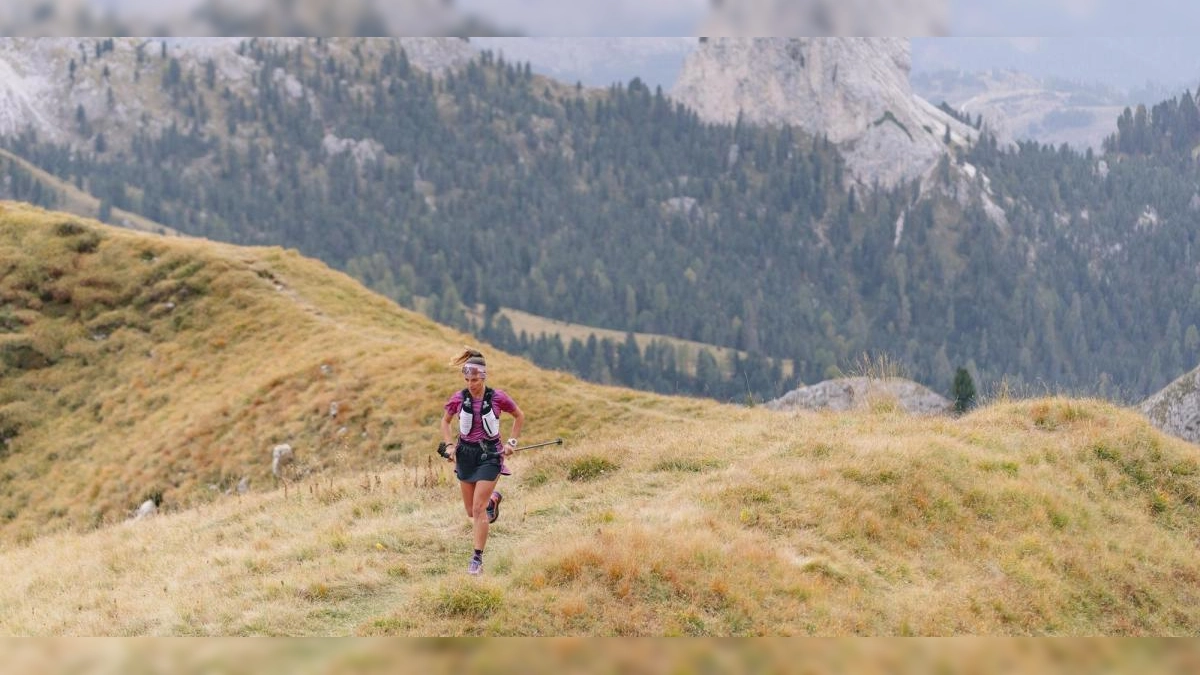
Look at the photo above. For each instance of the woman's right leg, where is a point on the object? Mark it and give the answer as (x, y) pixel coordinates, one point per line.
(468, 495)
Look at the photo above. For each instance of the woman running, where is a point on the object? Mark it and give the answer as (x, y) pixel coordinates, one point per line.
(478, 456)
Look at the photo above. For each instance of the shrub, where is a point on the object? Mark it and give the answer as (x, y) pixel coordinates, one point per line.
(69, 228)
(588, 468)
(470, 601)
(88, 243)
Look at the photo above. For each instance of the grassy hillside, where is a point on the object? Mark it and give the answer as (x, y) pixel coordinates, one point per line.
(1047, 517)
(659, 516)
(136, 365)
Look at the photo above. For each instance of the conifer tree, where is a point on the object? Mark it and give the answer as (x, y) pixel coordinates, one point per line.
(963, 391)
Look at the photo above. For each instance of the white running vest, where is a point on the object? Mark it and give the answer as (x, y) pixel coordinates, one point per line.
(466, 415)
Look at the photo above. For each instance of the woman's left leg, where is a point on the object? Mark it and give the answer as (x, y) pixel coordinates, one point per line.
(482, 493)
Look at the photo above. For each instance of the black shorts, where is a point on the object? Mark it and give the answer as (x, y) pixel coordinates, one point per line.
(474, 462)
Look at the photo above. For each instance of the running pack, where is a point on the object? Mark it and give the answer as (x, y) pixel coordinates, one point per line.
(466, 415)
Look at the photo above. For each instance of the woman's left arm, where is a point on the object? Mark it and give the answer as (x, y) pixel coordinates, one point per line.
(518, 422)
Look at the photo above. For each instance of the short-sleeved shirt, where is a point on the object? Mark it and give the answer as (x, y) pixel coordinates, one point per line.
(501, 402)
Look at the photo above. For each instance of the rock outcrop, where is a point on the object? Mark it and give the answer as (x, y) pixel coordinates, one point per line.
(281, 456)
(70, 89)
(1175, 409)
(855, 393)
(854, 91)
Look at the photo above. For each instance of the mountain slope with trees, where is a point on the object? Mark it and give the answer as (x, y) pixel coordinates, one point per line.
(618, 208)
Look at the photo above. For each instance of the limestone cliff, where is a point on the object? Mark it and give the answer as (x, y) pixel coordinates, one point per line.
(855, 91)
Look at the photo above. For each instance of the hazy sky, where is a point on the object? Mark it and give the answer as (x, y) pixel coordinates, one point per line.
(598, 18)
(607, 18)
(1120, 62)
(966, 18)
(1078, 18)
(1077, 36)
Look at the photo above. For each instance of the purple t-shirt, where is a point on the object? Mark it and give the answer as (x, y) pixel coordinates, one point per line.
(501, 402)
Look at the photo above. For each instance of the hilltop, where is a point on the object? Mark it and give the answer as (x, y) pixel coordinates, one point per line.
(136, 362)
(138, 366)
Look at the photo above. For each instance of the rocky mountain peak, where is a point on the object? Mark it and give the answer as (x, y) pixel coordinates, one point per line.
(855, 91)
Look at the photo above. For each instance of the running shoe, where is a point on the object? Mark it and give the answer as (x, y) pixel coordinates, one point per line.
(475, 568)
(493, 507)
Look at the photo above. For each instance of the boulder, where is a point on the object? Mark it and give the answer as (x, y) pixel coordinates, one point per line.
(856, 393)
(1175, 409)
(146, 510)
(281, 456)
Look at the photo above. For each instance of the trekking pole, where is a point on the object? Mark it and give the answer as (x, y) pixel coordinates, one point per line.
(443, 449)
(557, 441)
(485, 456)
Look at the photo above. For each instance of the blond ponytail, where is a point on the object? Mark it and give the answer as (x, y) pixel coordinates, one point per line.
(470, 355)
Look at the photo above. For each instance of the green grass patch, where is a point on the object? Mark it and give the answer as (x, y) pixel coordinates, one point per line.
(686, 465)
(470, 601)
(590, 468)
(1006, 467)
(884, 477)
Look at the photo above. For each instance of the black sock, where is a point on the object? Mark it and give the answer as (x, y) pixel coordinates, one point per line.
(479, 553)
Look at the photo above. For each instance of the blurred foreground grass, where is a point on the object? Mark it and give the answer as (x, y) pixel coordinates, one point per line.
(654, 656)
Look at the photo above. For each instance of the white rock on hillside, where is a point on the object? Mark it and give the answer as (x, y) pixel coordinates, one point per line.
(855, 393)
(1175, 409)
(438, 55)
(28, 91)
(855, 91)
(39, 92)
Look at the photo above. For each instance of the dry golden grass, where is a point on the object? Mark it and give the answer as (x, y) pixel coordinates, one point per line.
(659, 516)
(142, 365)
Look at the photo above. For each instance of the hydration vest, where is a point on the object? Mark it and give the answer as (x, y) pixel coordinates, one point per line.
(466, 415)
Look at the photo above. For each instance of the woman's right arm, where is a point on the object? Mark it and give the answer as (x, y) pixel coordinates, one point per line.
(447, 436)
